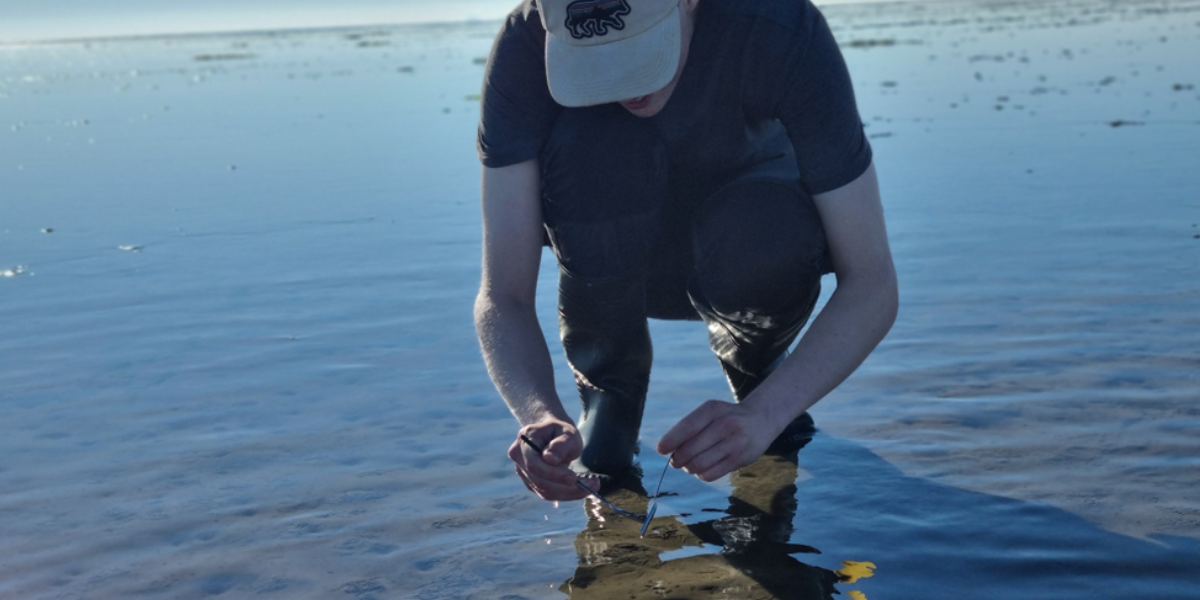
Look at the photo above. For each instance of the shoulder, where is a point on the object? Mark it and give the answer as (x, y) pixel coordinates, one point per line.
(524, 23)
(516, 111)
(517, 58)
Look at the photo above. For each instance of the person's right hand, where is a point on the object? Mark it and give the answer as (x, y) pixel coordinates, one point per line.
(546, 473)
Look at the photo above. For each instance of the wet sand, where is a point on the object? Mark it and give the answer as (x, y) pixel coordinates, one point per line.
(237, 359)
(1046, 348)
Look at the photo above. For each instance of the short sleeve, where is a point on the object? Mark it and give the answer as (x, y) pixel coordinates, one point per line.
(516, 109)
(816, 105)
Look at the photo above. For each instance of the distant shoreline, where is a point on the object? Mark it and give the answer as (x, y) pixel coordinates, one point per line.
(282, 31)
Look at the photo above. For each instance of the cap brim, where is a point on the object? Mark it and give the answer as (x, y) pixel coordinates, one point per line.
(589, 75)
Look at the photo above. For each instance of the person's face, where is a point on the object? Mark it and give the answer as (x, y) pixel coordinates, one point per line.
(650, 104)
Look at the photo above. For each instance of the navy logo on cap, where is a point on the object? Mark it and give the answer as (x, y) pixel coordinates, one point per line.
(586, 18)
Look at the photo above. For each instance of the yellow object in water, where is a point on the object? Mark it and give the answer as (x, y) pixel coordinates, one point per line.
(852, 571)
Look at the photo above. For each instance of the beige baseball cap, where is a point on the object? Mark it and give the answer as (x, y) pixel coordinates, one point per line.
(600, 51)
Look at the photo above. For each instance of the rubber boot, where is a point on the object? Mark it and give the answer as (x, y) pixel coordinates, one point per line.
(607, 344)
(750, 347)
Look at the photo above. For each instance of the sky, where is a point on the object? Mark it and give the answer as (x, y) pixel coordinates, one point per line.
(31, 20)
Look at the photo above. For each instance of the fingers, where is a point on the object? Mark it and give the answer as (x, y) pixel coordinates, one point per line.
(545, 473)
(688, 428)
(551, 482)
(592, 482)
(714, 440)
(563, 449)
(717, 461)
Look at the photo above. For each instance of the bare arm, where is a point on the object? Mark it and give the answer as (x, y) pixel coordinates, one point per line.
(514, 347)
(859, 313)
(719, 437)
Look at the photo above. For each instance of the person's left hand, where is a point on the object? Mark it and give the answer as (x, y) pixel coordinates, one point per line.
(717, 438)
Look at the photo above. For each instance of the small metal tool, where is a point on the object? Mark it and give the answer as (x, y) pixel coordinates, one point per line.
(654, 499)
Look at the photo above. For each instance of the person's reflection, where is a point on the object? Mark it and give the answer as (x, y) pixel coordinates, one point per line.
(755, 560)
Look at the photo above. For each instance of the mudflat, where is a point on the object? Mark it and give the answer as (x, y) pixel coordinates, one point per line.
(237, 357)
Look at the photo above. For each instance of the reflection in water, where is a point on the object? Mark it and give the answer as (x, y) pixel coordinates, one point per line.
(755, 560)
(934, 540)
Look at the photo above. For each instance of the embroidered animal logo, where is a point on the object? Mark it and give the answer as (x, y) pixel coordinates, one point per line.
(586, 18)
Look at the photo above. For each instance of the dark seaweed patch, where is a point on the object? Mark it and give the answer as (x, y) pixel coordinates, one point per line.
(224, 56)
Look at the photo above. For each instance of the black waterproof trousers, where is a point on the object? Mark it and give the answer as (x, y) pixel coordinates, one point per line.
(635, 239)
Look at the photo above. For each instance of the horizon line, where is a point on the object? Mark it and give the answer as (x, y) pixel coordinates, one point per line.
(316, 28)
(119, 37)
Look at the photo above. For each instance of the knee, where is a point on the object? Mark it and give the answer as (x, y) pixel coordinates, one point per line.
(760, 248)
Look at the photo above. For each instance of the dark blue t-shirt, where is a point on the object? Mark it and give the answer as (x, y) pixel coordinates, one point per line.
(765, 92)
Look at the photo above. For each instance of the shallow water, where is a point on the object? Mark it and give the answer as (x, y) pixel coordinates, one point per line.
(276, 390)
